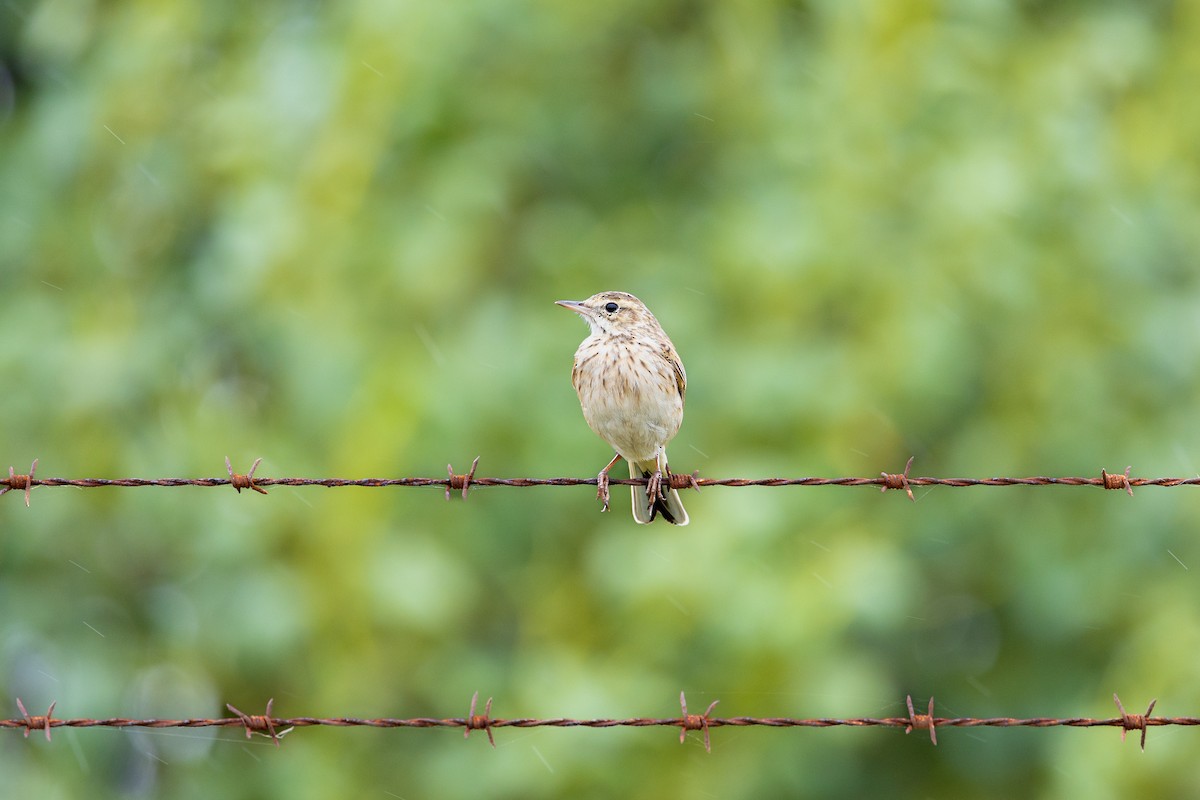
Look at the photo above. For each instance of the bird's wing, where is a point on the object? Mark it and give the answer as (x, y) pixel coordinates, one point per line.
(668, 352)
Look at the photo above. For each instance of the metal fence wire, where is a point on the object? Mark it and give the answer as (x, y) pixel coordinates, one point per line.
(903, 481)
(276, 728)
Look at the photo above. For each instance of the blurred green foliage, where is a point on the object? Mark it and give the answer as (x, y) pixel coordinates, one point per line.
(331, 234)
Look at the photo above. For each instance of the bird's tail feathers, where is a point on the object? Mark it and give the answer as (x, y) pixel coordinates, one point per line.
(670, 507)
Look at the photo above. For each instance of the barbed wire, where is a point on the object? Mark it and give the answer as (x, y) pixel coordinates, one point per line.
(462, 482)
(275, 728)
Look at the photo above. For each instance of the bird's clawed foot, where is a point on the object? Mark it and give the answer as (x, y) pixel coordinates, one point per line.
(654, 487)
(602, 482)
(602, 488)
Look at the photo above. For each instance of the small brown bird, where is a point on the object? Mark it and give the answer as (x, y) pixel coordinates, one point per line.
(631, 385)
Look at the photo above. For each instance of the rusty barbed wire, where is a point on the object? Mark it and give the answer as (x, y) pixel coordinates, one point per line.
(901, 481)
(275, 728)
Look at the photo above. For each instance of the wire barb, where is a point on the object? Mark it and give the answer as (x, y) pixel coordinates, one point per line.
(38, 723)
(260, 723)
(246, 481)
(20, 483)
(690, 480)
(1117, 480)
(1134, 722)
(898, 480)
(695, 722)
(921, 722)
(479, 722)
(463, 482)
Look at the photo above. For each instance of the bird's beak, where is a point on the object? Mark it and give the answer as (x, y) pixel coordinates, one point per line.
(575, 305)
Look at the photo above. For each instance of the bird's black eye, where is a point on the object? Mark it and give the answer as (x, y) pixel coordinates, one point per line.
(611, 308)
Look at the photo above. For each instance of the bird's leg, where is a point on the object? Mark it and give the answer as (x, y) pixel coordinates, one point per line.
(602, 482)
(654, 487)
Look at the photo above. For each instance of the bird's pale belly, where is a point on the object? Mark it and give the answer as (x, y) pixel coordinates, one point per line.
(636, 426)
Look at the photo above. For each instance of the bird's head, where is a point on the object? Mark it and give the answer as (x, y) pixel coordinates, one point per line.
(613, 313)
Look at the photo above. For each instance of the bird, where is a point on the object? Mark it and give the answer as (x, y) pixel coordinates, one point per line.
(631, 384)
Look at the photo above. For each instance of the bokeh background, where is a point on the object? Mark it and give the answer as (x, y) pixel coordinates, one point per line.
(330, 235)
